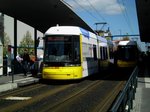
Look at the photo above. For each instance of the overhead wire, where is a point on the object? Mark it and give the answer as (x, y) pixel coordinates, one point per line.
(91, 14)
(125, 15)
(97, 12)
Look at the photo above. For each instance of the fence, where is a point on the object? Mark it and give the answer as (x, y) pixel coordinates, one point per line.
(124, 101)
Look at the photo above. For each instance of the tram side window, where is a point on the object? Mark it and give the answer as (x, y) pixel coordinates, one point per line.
(86, 49)
(111, 53)
(103, 53)
(94, 52)
(106, 53)
(77, 49)
(100, 53)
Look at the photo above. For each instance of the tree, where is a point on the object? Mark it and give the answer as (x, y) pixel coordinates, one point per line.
(7, 42)
(26, 43)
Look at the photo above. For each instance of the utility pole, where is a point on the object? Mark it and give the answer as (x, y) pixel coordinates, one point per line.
(100, 23)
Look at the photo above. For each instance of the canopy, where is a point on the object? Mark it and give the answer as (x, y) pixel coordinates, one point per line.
(42, 14)
(143, 12)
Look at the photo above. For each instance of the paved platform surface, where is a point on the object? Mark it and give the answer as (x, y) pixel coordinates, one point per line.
(11, 82)
(142, 96)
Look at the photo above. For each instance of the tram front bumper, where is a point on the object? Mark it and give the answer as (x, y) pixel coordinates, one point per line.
(121, 63)
(62, 73)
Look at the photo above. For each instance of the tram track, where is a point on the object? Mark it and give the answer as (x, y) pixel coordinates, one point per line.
(69, 98)
(95, 94)
(76, 99)
(64, 105)
(106, 103)
(18, 106)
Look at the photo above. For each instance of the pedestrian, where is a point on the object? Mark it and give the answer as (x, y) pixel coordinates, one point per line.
(141, 64)
(19, 63)
(26, 62)
(32, 64)
(19, 59)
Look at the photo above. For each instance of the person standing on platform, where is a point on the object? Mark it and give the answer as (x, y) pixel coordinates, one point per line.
(19, 59)
(141, 64)
(32, 64)
(26, 62)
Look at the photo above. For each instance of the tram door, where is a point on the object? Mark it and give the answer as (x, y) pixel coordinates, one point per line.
(1, 58)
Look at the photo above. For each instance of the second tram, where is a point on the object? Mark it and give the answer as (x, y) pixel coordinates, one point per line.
(127, 54)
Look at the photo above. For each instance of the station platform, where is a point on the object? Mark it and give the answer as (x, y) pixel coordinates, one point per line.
(142, 96)
(9, 82)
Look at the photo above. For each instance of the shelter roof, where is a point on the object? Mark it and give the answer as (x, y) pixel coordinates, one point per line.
(42, 14)
(143, 12)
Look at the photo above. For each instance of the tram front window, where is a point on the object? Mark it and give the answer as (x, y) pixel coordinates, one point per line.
(127, 53)
(62, 49)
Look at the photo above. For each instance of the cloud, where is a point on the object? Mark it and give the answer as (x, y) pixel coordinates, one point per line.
(109, 7)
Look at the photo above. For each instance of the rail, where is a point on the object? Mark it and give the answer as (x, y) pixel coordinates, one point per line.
(124, 101)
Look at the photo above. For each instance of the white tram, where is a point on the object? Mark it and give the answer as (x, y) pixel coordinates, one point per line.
(71, 52)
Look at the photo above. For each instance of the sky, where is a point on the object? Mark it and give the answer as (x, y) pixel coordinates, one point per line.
(120, 15)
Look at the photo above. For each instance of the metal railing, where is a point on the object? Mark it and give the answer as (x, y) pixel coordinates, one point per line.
(124, 101)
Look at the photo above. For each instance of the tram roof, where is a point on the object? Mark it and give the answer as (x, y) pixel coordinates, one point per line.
(102, 39)
(42, 14)
(123, 43)
(69, 30)
(73, 30)
(143, 13)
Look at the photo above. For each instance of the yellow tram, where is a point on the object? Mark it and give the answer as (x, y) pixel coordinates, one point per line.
(70, 52)
(127, 54)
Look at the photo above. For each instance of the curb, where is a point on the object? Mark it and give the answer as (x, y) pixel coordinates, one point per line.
(28, 82)
(9, 86)
(18, 83)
